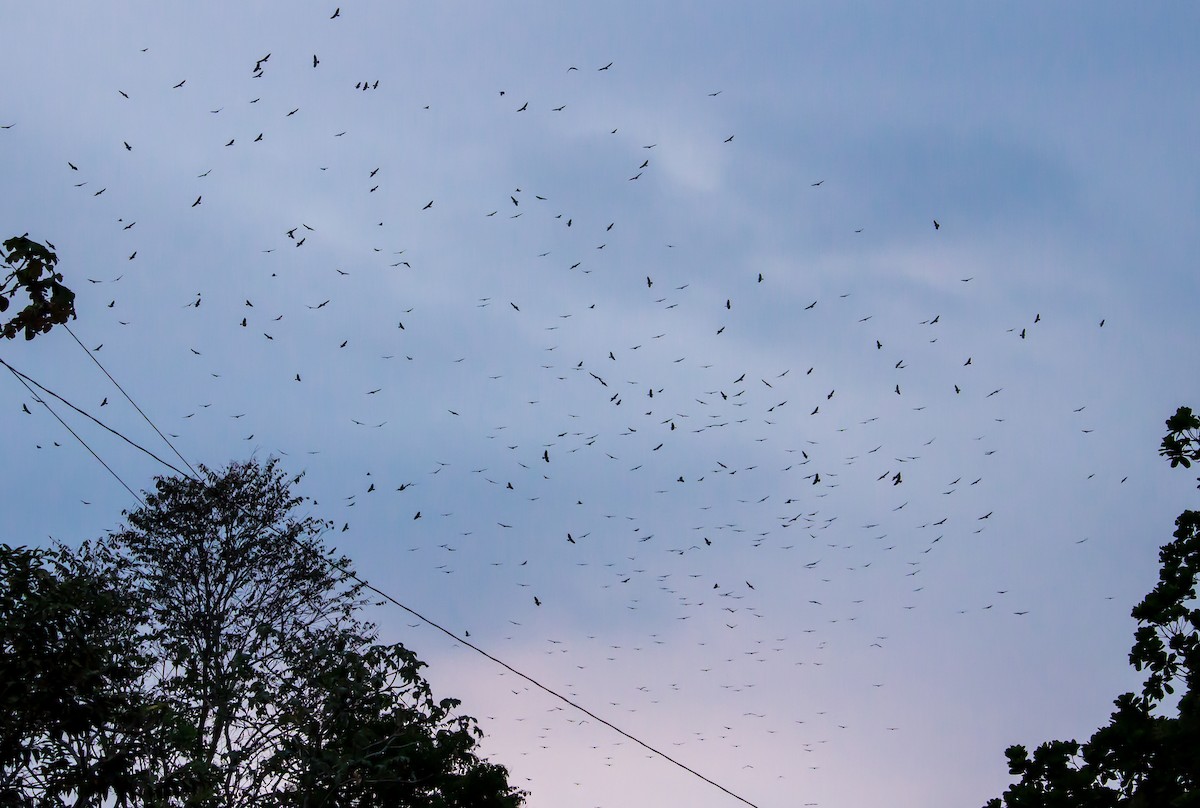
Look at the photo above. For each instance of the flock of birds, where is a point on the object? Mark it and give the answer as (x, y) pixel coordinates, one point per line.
(647, 477)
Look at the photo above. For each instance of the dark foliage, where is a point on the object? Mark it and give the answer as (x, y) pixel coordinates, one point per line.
(1146, 756)
(240, 671)
(76, 721)
(32, 268)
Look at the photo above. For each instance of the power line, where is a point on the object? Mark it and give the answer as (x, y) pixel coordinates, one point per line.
(24, 379)
(21, 378)
(129, 398)
(549, 690)
(354, 576)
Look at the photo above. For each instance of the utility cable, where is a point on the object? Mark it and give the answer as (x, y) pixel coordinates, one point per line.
(129, 398)
(547, 689)
(21, 378)
(25, 380)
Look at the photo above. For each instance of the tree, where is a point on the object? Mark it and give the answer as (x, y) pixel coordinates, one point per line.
(259, 653)
(32, 268)
(1145, 756)
(75, 720)
(210, 653)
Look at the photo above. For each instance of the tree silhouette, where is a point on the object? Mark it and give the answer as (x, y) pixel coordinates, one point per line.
(1145, 756)
(77, 724)
(32, 268)
(240, 640)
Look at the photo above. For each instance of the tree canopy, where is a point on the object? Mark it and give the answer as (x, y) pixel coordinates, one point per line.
(32, 268)
(1149, 752)
(76, 721)
(233, 665)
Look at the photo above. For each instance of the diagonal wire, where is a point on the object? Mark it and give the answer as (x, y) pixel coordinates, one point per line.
(547, 689)
(129, 398)
(366, 584)
(21, 378)
(26, 380)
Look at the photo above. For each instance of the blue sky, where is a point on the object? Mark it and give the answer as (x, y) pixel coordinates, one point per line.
(841, 638)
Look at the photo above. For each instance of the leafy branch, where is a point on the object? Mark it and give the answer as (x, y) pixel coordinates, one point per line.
(32, 268)
(1145, 756)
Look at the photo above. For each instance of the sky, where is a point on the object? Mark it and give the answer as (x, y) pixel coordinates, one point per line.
(782, 382)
